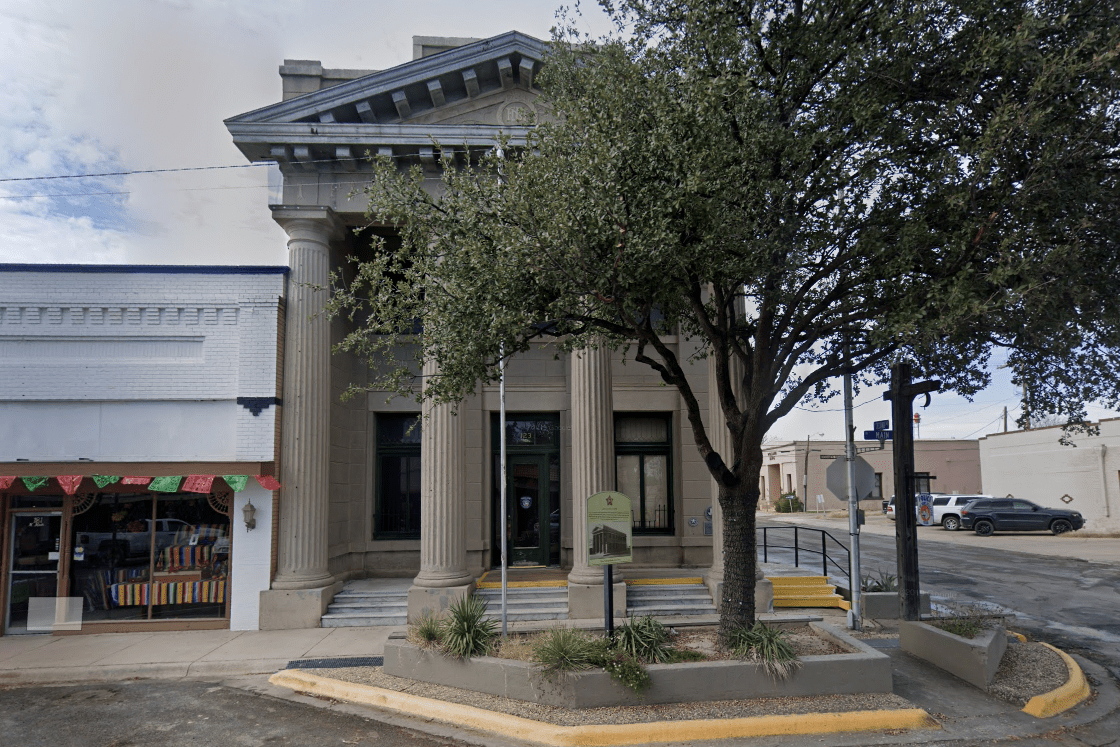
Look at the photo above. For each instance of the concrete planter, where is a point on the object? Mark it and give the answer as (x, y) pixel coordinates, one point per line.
(883, 605)
(864, 670)
(974, 660)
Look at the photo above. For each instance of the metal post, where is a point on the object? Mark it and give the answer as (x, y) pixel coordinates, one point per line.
(608, 599)
(854, 621)
(805, 476)
(502, 450)
(824, 553)
(901, 395)
(796, 550)
(765, 548)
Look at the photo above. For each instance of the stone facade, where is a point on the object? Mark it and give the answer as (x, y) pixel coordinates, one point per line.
(459, 93)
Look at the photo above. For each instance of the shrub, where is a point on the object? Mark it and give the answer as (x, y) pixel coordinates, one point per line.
(881, 582)
(567, 650)
(766, 646)
(643, 639)
(624, 669)
(427, 631)
(466, 631)
(788, 503)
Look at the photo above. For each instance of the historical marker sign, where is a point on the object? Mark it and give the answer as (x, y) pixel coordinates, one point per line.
(610, 536)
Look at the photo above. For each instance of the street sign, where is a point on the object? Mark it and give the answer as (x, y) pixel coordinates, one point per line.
(882, 425)
(878, 435)
(925, 509)
(836, 478)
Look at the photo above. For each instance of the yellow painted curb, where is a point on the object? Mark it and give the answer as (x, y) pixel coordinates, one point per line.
(1063, 698)
(601, 734)
(1022, 638)
(521, 584)
(663, 581)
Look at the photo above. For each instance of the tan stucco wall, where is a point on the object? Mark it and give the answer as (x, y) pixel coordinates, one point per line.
(1035, 466)
(955, 465)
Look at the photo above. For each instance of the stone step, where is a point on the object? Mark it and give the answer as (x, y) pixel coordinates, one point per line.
(691, 599)
(556, 594)
(546, 613)
(669, 610)
(361, 594)
(527, 604)
(362, 620)
(365, 604)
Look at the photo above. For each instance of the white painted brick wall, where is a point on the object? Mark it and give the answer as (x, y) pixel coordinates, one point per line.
(138, 337)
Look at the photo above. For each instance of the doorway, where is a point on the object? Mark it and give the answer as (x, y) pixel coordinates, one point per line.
(532, 519)
(33, 565)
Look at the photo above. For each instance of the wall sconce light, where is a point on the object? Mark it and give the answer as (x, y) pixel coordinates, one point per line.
(250, 512)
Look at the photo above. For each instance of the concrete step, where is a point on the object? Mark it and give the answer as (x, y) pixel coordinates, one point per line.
(546, 613)
(360, 620)
(689, 599)
(365, 604)
(669, 610)
(489, 594)
(361, 594)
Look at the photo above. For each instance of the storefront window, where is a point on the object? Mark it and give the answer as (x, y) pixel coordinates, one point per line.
(150, 556)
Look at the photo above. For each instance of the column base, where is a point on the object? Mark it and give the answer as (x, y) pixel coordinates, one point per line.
(292, 609)
(585, 601)
(763, 592)
(425, 600)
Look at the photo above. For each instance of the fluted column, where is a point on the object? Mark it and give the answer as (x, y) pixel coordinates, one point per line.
(592, 450)
(443, 501)
(305, 439)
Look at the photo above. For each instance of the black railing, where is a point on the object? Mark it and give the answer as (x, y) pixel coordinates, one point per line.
(814, 545)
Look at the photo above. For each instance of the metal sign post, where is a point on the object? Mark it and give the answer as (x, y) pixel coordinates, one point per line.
(610, 540)
(505, 486)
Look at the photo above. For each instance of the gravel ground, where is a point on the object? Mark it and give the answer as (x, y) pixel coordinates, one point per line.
(1027, 670)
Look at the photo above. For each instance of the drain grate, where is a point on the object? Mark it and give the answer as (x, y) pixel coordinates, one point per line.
(337, 663)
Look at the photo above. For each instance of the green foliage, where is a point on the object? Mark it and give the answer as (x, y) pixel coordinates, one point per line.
(788, 503)
(466, 632)
(567, 650)
(427, 631)
(880, 582)
(965, 621)
(644, 639)
(624, 669)
(682, 655)
(767, 646)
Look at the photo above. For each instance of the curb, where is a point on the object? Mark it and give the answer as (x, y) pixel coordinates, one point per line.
(149, 671)
(602, 734)
(1063, 698)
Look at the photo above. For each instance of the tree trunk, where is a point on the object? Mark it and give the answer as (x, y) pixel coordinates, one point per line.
(740, 556)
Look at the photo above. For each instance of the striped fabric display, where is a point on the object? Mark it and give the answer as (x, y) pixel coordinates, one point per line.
(182, 557)
(176, 592)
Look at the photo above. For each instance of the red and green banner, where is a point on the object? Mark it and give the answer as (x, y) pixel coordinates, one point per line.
(69, 484)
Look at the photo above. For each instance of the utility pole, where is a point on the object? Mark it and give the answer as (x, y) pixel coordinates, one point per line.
(805, 475)
(854, 621)
(901, 397)
(1005, 418)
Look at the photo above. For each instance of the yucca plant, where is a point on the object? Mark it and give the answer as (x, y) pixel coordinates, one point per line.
(466, 631)
(883, 582)
(766, 646)
(567, 650)
(643, 639)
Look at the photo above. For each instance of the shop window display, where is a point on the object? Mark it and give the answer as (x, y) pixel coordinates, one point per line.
(151, 556)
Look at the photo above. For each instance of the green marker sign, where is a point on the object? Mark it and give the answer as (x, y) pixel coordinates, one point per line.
(610, 537)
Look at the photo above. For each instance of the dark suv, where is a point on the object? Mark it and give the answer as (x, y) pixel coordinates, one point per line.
(989, 515)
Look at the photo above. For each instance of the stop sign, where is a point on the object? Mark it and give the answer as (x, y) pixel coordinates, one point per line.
(836, 478)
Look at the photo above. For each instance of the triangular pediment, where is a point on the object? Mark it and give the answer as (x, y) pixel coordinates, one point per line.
(485, 84)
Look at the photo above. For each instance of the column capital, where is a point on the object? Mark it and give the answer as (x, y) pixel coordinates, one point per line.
(312, 222)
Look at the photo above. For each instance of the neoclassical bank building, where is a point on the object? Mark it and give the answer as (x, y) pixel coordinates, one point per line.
(367, 497)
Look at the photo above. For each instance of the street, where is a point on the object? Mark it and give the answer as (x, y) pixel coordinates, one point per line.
(1071, 603)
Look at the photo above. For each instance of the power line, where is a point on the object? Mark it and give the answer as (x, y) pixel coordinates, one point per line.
(130, 173)
(127, 192)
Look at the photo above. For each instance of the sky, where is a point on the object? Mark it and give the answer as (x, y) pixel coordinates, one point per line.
(144, 85)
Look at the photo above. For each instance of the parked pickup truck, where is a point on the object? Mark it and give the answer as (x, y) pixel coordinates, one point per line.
(121, 545)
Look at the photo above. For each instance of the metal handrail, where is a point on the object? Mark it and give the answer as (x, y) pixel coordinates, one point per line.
(845, 569)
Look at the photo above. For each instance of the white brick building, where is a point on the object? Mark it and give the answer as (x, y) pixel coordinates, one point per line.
(138, 371)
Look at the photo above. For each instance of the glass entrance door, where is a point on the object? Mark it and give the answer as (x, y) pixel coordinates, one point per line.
(35, 546)
(527, 515)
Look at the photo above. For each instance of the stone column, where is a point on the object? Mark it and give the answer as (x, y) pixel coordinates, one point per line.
(303, 585)
(592, 472)
(443, 576)
(720, 439)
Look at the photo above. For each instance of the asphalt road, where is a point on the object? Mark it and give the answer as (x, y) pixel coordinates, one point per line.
(177, 714)
(1071, 603)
